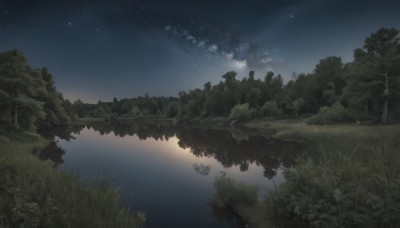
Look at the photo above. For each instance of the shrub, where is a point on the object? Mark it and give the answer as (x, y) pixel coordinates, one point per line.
(242, 112)
(270, 108)
(327, 115)
(34, 194)
(341, 193)
(229, 192)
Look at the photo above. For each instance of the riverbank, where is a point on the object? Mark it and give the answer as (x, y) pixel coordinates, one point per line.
(348, 172)
(34, 194)
(338, 153)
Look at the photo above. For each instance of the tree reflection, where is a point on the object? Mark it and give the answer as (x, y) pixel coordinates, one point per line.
(259, 149)
(52, 152)
(202, 169)
(230, 147)
(64, 133)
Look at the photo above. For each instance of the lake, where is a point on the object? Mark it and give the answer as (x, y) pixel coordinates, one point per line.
(168, 171)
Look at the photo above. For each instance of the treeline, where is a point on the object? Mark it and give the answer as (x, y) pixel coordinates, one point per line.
(364, 90)
(28, 97)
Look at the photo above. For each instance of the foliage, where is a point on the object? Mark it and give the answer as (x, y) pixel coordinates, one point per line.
(348, 177)
(328, 115)
(242, 112)
(374, 75)
(364, 88)
(28, 97)
(229, 192)
(34, 194)
(339, 194)
(270, 108)
(367, 88)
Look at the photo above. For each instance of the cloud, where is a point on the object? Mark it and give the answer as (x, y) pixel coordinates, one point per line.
(213, 48)
(240, 64)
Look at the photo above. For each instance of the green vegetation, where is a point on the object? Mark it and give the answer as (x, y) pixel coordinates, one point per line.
(240, 198)
(348, 176)
(229, 192)
(365, 90)
(28, 98)
(242, 112)
(34, 194)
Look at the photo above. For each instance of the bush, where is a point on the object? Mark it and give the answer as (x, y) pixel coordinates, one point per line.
(230, 193)
(34, 194)
(270, 108)
(242, 112)
(341, 193)
(328, 115)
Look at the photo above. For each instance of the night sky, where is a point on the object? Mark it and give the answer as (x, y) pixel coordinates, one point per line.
(104, 49)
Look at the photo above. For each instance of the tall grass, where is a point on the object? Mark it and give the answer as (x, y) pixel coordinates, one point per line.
(33, 194)
(230, 193)
(349, 177)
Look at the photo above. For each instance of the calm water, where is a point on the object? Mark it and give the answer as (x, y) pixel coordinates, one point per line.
(168, 172)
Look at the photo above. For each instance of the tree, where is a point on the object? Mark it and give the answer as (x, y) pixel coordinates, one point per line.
(270, 108)
(22, 86)
(379, 63)
(53, 102)
(242, 112)
(327, 81)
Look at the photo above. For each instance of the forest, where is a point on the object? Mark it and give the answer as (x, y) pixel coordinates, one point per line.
(365, 90)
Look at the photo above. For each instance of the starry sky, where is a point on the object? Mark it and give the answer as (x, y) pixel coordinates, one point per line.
(125, 48)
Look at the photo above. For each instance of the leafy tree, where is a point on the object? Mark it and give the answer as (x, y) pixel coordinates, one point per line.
(296, 106)
(377, 69)
(242, 112)
(19, 86)
(53, 102)
(79, 108)
(172, 109)
(328, 115)
(270, 108)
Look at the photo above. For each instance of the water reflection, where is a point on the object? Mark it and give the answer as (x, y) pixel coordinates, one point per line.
(230, 147)
(53, 152)
(202, 169)
(64, 133)
(156, 166)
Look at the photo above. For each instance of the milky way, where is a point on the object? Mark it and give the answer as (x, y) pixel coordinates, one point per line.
(101, 49)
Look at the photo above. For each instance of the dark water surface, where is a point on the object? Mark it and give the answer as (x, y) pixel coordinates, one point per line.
(167, 171)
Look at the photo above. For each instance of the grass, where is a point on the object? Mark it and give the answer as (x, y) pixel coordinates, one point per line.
(34, 194)
(242, 199)
(254, 215)
(348, 176)
(334, 138)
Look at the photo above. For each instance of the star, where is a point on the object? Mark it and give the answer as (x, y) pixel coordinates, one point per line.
(291, 16)
(69, 23)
